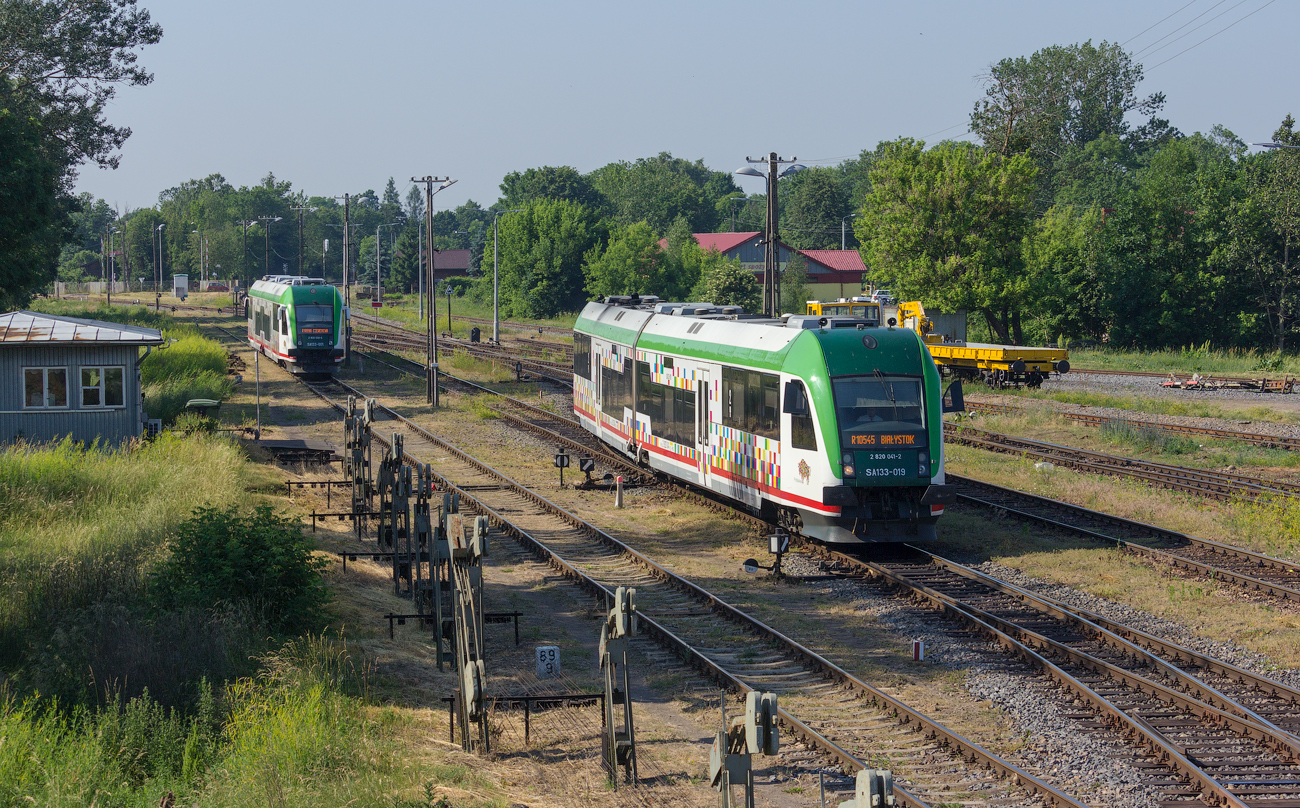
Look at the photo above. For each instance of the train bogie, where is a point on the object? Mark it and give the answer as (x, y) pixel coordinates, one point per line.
(828, 426)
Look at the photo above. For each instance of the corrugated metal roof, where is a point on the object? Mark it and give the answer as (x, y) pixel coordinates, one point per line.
(837, 260)
(25, 327)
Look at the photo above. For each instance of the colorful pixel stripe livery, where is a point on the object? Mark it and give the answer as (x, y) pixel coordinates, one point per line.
(787, 417)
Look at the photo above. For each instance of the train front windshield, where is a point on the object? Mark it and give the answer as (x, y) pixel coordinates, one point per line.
(314, 315)
(872, 405)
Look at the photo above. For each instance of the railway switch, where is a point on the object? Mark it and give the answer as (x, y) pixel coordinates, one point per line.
(756, 733)
(875, 789)
(619, 746)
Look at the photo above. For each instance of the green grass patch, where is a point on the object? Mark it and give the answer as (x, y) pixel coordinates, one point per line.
(1156, 406)
(1147, 439)
(1201, 359)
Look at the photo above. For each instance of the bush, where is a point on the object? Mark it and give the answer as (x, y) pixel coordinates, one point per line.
(222, 558)
(166, 399)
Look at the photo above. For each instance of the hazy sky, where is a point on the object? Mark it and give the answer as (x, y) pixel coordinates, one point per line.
(337, 97)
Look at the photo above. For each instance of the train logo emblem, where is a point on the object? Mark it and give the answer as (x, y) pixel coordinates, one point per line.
(804, 471)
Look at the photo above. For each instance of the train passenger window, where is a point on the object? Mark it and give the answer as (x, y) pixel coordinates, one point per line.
(802, 433)
(751, 402)
(582, 355)
(615, 389)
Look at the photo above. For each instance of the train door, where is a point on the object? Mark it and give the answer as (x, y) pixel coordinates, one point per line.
(702, 424)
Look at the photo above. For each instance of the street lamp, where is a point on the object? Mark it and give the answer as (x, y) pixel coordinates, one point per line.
(158, 262)
(266, 254)
(496, 283)
(1276, 145)
(431, 334)
(844, 230)
(771, 288)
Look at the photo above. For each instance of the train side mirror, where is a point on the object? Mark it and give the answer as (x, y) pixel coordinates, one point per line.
(953, 401)
(796, 401)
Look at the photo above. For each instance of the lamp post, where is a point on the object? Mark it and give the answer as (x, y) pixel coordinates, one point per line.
(496, 282)
(771, 263)
(243, 261)
(431, 334)
(844, 230)
(1276, 145)
(266, 254)
(157, 290)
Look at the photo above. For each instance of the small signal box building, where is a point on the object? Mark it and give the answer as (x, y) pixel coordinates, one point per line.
(63, 376)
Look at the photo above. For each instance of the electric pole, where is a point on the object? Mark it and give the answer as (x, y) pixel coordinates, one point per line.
(431, 352)
(266, 256)
(771, 258)
(347, 293)
(301, 210)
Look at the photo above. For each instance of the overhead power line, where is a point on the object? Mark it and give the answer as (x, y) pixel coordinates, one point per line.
(1147, 51)
(1216, 33)
(1149, 27)
(1148, 47)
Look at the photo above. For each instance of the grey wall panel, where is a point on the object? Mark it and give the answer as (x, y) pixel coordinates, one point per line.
(108, 425)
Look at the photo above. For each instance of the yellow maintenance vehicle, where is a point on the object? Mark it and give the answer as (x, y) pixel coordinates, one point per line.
(863, 308)
(997, 366)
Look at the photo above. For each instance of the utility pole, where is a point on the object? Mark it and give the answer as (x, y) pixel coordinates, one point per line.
(303, 209)
(771, 259)
(431, 345)
(347, 293)
(266, 255)
(243, 261)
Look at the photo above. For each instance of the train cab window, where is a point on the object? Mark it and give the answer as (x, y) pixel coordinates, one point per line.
(874, 404)
(582, 355)
(802, 433)
(313, 315)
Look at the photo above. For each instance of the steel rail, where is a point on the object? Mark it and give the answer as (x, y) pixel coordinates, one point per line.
(1281, 739)
(1223, 486)
(1170, 557)
(1285, 699)
(1002, 631)
(956, 743)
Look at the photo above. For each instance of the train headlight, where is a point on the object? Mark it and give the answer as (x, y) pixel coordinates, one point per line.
(923, 464)
(848, 464)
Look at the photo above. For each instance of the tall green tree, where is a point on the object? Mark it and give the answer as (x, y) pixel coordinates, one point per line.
(812, 207)
(1058, 100)
(60, 65)
(1264, 236)
(631, 263)
(659, 189)
(549, 182)
(724, 282)
(1064, 259)
(541, 257)
(945, 227)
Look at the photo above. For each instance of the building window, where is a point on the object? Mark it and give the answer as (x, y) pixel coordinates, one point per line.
(102, 387)
(45, 387)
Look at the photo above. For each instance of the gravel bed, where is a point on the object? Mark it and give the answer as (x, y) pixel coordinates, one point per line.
(1090, 766)
(1145, 621)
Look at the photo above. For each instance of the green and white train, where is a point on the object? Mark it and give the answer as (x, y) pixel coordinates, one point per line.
(830, 426)
(299, 322)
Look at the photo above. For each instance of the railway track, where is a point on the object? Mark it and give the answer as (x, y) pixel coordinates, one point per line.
(1249, 732)
(1255, 438)
(836, 717)
(1220, 485)
(1250, 571)
(1228, 731)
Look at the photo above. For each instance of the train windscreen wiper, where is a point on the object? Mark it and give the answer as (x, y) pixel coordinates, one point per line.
(888, 390)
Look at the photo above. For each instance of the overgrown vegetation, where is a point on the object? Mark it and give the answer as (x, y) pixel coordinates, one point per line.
(148, 639)
(1147, 439)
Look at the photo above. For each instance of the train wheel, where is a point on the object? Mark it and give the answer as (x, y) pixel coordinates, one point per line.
(790, 520)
